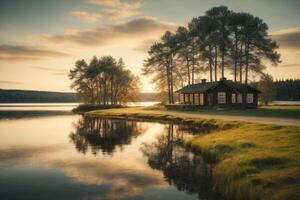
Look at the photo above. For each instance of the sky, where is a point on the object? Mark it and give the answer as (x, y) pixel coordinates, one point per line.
(40, 40)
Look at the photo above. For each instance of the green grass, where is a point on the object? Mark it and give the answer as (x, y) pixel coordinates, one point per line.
(82, 108)
(254, 161)
(154, 115)
(292, 112)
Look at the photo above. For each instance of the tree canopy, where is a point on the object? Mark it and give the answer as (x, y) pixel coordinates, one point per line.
(104, 80)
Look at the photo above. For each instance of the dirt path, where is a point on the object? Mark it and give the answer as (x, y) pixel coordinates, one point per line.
(262, 120)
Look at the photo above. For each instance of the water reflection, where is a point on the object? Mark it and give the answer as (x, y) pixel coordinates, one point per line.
(184, 169)
(26, 114)
(103, 135)
(54, 158)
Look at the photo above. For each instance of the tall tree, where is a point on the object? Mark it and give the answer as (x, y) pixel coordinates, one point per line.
(184, 54)
(161, 64)
(220, 16)
(257, 46)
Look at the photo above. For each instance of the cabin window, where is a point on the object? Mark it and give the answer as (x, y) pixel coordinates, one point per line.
(201, 99)
(191, 98)
(186, 97)
(233, 98)
(196, 99)
(250, 98)
(181, 98)
(221, 97)
(239, 98)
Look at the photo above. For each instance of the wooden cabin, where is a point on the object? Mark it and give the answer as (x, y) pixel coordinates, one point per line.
(223, 93)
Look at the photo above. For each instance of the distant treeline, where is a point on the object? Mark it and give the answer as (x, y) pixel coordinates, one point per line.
(288, 90)
(31, 96)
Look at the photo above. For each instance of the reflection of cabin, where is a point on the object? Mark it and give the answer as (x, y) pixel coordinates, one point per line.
(220, 93)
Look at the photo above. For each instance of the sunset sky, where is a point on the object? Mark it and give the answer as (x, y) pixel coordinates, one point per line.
(40, 40)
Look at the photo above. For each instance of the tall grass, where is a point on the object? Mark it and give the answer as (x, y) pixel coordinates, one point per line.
(255, 161)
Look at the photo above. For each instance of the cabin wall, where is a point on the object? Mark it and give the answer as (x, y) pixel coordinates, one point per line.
(210, 98)
(222, 88)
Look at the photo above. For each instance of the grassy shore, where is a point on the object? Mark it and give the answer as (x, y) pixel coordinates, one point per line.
(82, 108)
(252, 160)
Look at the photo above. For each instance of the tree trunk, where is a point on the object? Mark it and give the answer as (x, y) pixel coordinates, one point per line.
(241, 63)
(189, 73)
(223, 50)
(235, 57)
(171, 76)
(246, 73)
(193, 63)
(216, 63)
(111, 90)
(210, 63)
(168, 83)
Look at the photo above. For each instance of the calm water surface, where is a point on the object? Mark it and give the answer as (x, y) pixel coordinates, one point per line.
(65, 156)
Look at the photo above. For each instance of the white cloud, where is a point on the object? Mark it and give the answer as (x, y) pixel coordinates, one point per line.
(113, 10)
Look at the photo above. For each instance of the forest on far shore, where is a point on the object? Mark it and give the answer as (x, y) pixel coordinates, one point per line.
(31, 96)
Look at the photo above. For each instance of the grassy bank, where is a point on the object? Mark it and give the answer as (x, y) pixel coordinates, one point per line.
(155, 115)
(252, 161)
(82, 108)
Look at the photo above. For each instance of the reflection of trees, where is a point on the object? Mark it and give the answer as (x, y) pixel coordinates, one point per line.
(187, 171)
(103, 134)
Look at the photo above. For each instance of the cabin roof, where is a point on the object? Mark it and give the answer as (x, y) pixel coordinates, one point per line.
(206, 86)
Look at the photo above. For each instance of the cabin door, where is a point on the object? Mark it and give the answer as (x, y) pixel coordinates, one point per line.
(210, 99)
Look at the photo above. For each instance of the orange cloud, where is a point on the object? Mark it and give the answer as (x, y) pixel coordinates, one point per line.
(288, 39)
(107, 14)
(137, 29)
(113, 10)
(23, 52)
(116, 4)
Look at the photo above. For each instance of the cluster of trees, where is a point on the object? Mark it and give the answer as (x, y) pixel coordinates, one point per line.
(288, 90)
(104, 81)
(221, 41)
(280, 90)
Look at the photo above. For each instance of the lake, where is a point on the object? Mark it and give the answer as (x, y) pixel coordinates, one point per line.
(54, 154)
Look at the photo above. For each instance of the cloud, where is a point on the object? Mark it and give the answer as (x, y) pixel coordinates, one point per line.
(290, 65)
(19, 153)
(113, 10)
(116, 4)
(125, 183)
(288, 39)
(136, 29)
(124, 177)
(10, 83)
(23, 52)
(145, 45)
(107, 14)
(55, 71)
